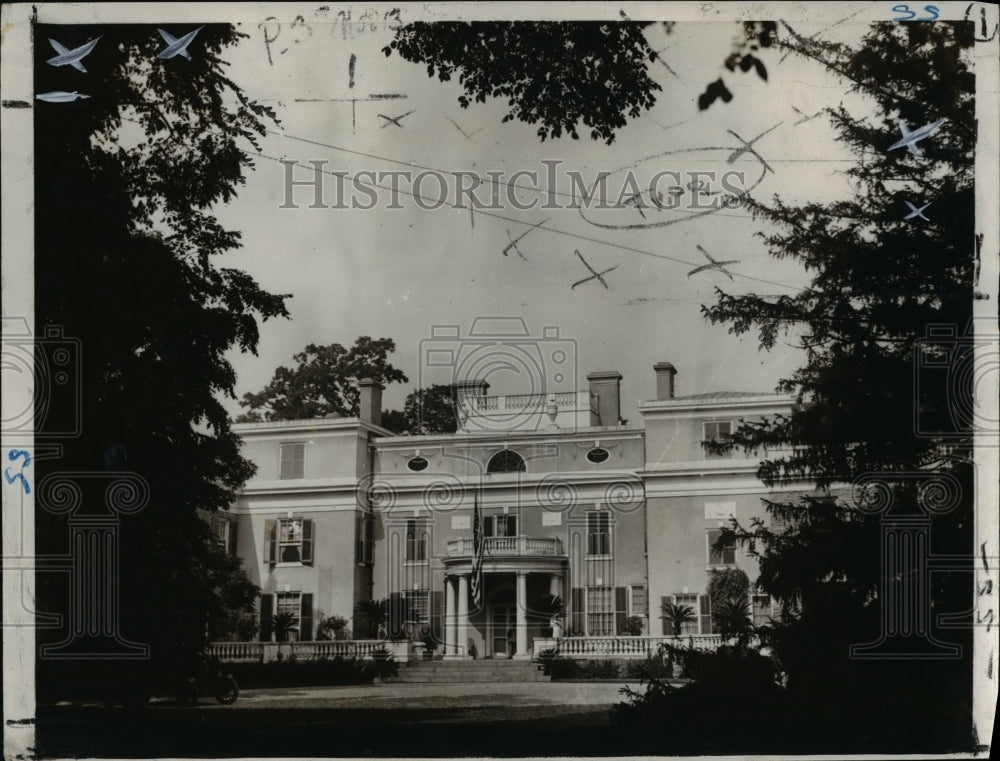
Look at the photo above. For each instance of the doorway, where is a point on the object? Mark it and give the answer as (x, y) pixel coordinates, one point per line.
(503, 618)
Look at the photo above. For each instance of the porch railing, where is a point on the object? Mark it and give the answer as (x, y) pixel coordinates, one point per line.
(509, 546)
(621, 647)
(361, 649)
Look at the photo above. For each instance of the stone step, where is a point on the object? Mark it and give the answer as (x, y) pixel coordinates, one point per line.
(469, 671)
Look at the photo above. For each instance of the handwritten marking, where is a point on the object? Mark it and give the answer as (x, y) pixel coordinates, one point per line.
(915, 212)
(395, 119)
(467, 135)
(982, 36)
(350, 70)
(748, 147)
(177, 47)
(932, 12)
(16, 104)
(72, 57)
(713, 265)
(595, 275)
(513, 243)
(16, 454)
(804, 117)
(60, 96)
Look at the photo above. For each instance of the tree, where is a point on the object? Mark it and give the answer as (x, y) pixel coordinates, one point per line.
(375, 613)
(561, 74)
(879, 281)
(431, 410)
(125, 240)
(325, 381)
(678, 615)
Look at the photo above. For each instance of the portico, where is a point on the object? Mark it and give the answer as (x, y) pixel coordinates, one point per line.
(507, 567)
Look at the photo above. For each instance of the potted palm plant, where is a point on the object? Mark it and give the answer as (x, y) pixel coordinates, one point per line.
(678, 615)
(548, 609)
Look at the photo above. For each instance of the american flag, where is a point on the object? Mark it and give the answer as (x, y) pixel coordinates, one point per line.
(478, 548)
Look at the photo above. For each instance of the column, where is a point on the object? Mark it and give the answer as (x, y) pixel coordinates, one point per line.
(522, 617)
(555, 589)
(449, 617)
(462, 625)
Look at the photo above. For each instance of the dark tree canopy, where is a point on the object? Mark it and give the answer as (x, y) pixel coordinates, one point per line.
(324, 381)
(866, 407)
(126, 181)
(431, 410)
(554, 74)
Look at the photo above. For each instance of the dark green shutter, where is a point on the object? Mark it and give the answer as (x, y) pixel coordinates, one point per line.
(266, 613)
(705, 613)
(437, 604)
(397, 614)
(306, 618)
(308, 540)
(621, 608)
(576, 611)
(270, 540)
(511, 525)
(231, 549)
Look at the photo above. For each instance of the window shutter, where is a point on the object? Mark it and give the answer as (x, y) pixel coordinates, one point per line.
(576, 610)
(488, 525)
(270, 540)
(396, 614)
(511, 525)
(307, 542)
(705, 615)
(436, 606)
(266, 613)
(306, 618)
(621, 608)
(231, 538)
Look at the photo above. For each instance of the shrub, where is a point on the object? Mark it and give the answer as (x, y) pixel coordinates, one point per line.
(654, 667)
(632, 626)
(381, 665)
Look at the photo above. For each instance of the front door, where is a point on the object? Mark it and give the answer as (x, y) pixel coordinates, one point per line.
(504, 620)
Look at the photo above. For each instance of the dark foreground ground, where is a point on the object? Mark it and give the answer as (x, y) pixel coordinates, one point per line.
(534, 719)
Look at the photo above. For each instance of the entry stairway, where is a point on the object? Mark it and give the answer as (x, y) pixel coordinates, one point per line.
(488, 670)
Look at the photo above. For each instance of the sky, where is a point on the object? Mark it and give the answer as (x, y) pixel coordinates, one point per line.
(404, 273)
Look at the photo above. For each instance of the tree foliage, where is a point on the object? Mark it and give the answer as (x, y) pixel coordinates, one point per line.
(125, 238)
(324, 381)
(554, 74)
(864, 399)
(431, 410)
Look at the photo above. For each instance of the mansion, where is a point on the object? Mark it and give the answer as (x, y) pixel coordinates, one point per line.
(614, 519)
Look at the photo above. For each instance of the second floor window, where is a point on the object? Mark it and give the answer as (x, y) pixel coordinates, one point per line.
(293, 460)
(225, 534)
(500, 525)
(716, 557)
(364, 535)
(717, 431)
(599, 533)
(416, 541)
(289, 540)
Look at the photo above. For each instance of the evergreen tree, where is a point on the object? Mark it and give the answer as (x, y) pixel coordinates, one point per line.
(869, 409)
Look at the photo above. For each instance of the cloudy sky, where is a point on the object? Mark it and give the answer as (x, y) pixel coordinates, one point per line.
(401, 272)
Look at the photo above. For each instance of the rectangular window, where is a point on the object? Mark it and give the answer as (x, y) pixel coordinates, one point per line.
(418, 607)
(705, 615)
(293, 460)
(687, 601)
(416, 541)
(726, 556)
(298, 607)
(225, 534)
(717, 431)
(761, 609)
(637, 601)
(599, 533)
(289, 540)
(600, 611)
(500, 525)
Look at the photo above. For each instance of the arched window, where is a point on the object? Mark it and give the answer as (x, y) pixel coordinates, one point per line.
(506, 462)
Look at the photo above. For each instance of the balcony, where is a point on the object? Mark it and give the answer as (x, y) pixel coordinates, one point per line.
(524, 412)
(509, 546)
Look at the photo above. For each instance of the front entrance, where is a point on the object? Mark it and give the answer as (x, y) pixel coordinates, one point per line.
(503, 619)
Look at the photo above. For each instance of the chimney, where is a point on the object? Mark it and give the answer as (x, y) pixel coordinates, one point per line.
(470, 389)
(370, 402)
(605, 397)
(665, 373)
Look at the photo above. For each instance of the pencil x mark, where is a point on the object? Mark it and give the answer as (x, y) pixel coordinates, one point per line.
(594, 274)
(714, 265)
(394, 119)
(748, 147)
(804, 117)
(513, 243)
